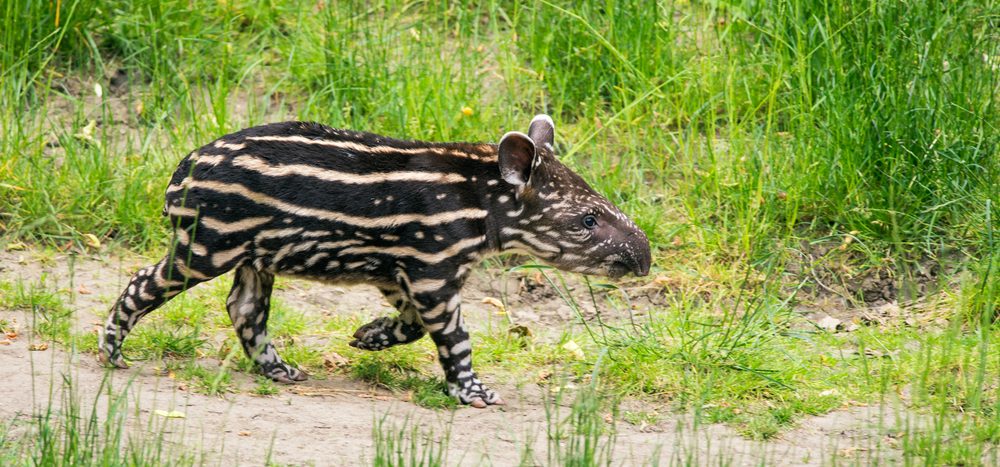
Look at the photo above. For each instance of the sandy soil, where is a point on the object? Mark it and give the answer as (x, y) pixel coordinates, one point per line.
(330, 422)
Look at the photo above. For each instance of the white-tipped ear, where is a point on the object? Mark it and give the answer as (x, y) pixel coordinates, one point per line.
(542, 130)
(516, 157)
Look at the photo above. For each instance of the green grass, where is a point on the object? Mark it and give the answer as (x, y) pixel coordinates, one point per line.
(205, 380)
(402, 369)
(764, 146)
(577, 436)
(51, 316)
(584, 437)
(265, 387)
(762, 367)
(72, 431)
(733, 126)
(408, 445)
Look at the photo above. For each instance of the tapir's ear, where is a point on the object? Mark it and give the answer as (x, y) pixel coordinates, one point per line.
(517, 157)
(542, 131)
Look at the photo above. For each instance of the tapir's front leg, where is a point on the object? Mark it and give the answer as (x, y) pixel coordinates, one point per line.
(442, 317)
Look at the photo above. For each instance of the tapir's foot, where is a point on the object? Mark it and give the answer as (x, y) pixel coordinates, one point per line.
(112, 361)
(110, 352)
(386, 332)
(472, 392)
(284, 373)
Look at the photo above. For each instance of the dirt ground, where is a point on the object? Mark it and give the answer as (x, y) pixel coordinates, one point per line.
(330, 421)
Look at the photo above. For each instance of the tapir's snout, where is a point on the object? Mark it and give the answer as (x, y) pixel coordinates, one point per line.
(640, 255)
(641, 267)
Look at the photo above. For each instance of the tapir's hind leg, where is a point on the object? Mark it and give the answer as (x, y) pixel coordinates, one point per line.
(249, 304)
(149, 288)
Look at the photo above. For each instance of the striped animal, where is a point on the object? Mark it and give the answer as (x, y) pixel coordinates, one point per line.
(408, 217)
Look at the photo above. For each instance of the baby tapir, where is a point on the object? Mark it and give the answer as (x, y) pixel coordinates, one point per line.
(408, 217)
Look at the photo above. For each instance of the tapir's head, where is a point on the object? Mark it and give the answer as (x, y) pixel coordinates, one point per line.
(558, 217)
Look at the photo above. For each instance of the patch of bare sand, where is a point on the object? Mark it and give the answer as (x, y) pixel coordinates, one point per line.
(329, 422)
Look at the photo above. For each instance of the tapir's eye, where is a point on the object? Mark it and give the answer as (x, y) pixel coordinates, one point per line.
(589, 221)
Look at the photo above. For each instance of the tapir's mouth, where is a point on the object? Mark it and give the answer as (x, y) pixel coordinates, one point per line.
(618, 269)
(627, 265)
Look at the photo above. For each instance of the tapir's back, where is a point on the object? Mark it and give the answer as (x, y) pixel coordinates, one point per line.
(322, 190)
(316, 167)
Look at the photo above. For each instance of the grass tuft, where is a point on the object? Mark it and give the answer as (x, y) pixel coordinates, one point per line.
(407, 445)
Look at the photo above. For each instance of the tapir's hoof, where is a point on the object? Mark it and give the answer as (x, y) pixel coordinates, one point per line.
(287, 374)
(117, 362)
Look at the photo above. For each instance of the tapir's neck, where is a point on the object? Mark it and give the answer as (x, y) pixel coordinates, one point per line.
(506, 225)
(498, 199)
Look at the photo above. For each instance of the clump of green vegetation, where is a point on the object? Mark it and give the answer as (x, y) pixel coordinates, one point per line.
(265, 387)
(756, 364)
(585, 436)
(640, 417)
(202, 379)
(407, 444)
(157, 342)
(402, 369)
(51, 317)
(76, 435)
